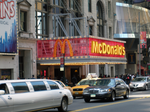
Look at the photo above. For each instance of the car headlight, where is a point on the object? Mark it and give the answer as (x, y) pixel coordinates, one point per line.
(130, 84)
(105, 90)
(85, 91)
(141, 84)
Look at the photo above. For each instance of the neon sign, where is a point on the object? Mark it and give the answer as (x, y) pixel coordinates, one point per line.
(103, 48)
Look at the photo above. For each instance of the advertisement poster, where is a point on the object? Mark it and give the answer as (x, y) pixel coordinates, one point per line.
(5, 74)
(8, 26)
(143, 41)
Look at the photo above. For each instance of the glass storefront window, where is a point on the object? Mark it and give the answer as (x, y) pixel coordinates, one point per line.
(127, 19)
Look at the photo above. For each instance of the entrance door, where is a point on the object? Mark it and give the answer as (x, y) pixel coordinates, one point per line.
(58, 73)
(112, 72)
(75, 72)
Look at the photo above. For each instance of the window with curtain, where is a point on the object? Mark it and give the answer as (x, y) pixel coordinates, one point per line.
(23, 21)
(100, 29)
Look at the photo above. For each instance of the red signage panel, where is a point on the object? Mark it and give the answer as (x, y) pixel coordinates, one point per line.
(80, 47)
(143, 40)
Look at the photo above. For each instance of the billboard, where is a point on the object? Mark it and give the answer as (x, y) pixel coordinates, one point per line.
(8, 27)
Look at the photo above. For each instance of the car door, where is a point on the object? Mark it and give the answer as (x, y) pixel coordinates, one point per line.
(148, 80)
(6, 101)
(123, 87)
(23, 98)
(42, 94)
(118, 87)
(56, 92)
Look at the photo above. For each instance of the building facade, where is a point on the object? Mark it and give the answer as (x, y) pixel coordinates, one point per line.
(68, 19)
(129, 16)
(44, 20)
(22, 61)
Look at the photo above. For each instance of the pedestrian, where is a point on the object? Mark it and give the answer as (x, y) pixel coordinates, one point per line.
(32, 77)
(74, 80)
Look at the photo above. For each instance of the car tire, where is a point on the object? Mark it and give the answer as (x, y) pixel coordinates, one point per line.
(126, 96)
(64, 105)
(86, 100)
(146, 88)
(74, 97)
(131, 89)
(112, 98)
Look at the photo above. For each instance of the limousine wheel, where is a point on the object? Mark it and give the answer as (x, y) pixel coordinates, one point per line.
(64, 105)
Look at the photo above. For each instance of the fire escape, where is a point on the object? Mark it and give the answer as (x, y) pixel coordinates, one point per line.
(72, 17)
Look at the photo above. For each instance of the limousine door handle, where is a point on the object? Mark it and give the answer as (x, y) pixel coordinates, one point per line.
(60, 92)
(9, 98)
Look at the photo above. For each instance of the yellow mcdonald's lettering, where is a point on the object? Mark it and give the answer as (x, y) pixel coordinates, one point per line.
(103, 48)
(123, 50)
(112, 51)
(120, 50)
(100, 48)
(62, 47)
(95, 47)
(108, 49)
(116, 52)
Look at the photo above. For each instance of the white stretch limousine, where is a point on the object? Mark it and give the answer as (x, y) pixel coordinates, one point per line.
(33, 95)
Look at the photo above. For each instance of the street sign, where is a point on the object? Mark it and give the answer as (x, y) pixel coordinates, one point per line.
(62, 62)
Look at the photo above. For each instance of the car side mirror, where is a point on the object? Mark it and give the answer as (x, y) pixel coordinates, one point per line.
(118, 84)
(2, 92)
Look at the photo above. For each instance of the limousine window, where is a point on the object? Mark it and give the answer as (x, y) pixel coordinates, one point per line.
(5, 88)
(53, 85)
(20, 87)
(38, 86)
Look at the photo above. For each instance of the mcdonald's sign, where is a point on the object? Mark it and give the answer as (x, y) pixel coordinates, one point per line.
(62, 44)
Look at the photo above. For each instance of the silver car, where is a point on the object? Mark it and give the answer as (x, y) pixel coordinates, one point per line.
(140, 83)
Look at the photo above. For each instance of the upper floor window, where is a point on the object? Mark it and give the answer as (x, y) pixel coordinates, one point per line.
(90, 30)
(100, 29)
(38, 85)
(89, 6)
(109, 9)
(20, 87)
(53, 85)
(110, 32)
(23, 21)
(41, 16)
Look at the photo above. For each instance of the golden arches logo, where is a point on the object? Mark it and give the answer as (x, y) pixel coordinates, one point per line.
(62, 47)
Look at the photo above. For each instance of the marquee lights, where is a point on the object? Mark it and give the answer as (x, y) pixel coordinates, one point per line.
(103, 48)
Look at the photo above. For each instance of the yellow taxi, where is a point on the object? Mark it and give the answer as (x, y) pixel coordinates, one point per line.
(90, 80)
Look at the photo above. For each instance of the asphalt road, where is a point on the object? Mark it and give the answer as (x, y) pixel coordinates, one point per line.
(139, 101)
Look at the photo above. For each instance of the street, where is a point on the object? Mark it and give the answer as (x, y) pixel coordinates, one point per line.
(137, 102)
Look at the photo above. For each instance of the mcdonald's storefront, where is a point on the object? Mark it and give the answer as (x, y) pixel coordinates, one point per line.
(82, 55)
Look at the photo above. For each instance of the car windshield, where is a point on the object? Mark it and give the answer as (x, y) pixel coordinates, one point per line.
(143, 79)
(105, 82)
(60, 83)
(87, 82)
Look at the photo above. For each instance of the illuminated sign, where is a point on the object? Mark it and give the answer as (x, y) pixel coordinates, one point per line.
(80, 48)
(103, 48)
(62, 46)
(8, 25)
